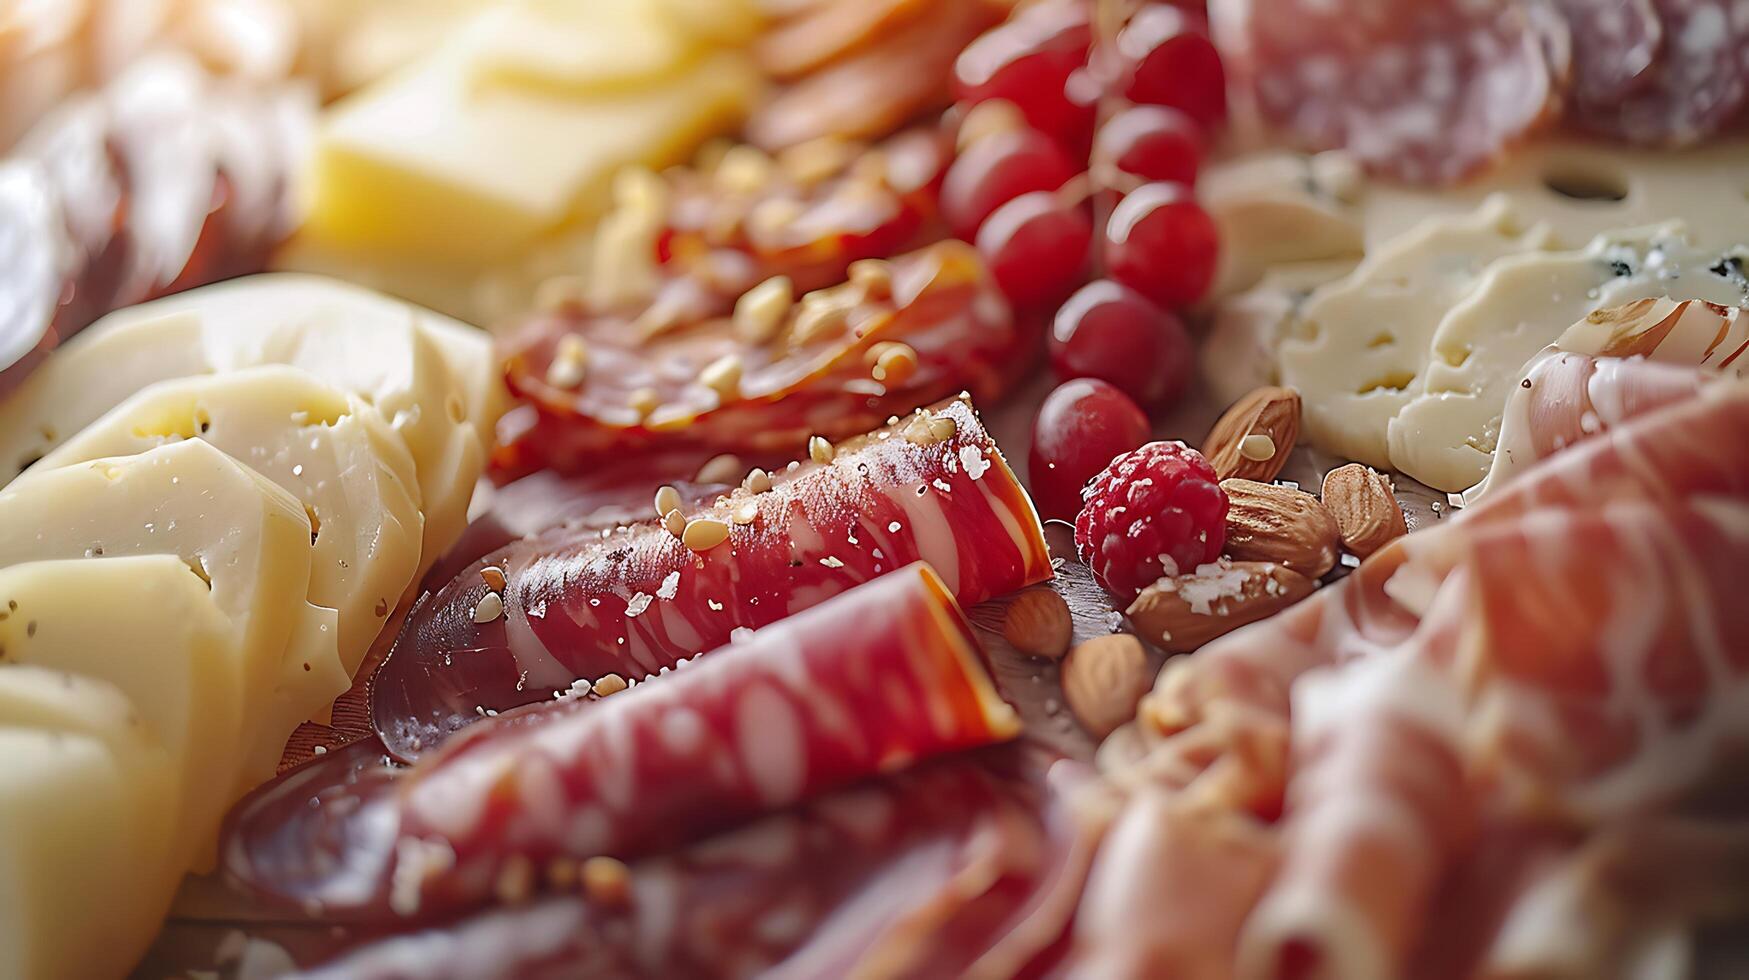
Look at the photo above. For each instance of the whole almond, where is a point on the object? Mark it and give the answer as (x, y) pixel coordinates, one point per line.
(1182, 613)
(1103, 680)
(1037, 623)
(1266, 522)
(1364, 507)
(1270, 412)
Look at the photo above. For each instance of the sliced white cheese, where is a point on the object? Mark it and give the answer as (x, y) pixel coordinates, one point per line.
(332, 451)
(435, 380)
(1357, 349)
(147, 625)
(247, 537)
(1246, 330)
(1446, 434)
(85, 808)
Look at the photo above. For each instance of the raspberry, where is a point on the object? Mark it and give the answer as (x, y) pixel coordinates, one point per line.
(1157, 511)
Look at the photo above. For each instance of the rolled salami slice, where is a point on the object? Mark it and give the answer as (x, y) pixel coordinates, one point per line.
(1428, 92)
(897, 335)
(965, 866)
(870, 682)
(1695, 87)
(636, 600)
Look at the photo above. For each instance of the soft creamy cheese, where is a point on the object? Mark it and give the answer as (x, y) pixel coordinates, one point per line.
(1357, 349)
(1292, 223)
(1446, 434)
(330, 450)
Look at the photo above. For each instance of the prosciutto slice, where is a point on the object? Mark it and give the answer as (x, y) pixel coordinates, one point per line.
(635, 600)
(963, 866)
(1566, 652)
(870, 682)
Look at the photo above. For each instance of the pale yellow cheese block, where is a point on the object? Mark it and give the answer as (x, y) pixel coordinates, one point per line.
(86, 810)
(247, 537)
(435, 380)
(329, 449)
(147, 625)
(568, 49)
(429, 164)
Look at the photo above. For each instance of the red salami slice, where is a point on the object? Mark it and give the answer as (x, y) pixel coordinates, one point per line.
(1615, 43)
(887, 674)
(1693, 90)
(1427, 92)
(899, 335)
(637, 599)
(966, 866)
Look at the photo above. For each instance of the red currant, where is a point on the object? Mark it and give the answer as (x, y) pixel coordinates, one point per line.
(1110, 332)
(995, 170)
(1036, 246)
(1161, 243)
(1149, 142)
(1166, 54)
(1082, 426)
(1029, 61)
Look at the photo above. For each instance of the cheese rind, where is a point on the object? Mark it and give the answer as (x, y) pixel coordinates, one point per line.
(332, 451)
(245, 536)
(432, 378)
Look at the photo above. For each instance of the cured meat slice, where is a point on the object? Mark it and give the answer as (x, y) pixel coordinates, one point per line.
(966, 866)
(1693, 90)
(636, 600)
(1609, 368)
(1427, 92)
(870, 682)
(896, 336)
(162, 181)
(1615, 44)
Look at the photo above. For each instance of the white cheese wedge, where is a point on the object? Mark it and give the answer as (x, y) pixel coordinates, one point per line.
(1246, 330)
(330, 450)
(435, 380)
(1446, 433)
(247, 537)
(85, 807)
(1358, 347)
(147, 625)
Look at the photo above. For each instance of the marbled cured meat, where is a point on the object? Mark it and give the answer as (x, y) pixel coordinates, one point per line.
(965, 866)
(1441, 688)
(1695, 86)
(1615, 44)
(905, 333)
(636, 600)
(1428, 92)
(870, 682)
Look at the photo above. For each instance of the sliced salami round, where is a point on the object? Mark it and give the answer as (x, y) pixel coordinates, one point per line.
(1698, 83)
(1428, 92)
(1615, 46)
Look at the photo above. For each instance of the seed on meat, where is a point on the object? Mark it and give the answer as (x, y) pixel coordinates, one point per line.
(667, 499)
(644, 401)
(704, 534)
(746, 512)
(720, 469)
(820, 450)
(494, 578)
(761, 310)
(490, 607)
(570, 358)
(894, 362)
(758, 481)
(723, 376)
(675, 522)
(609, 684)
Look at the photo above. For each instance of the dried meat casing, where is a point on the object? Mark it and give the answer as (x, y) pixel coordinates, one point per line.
(635, 600)
(1615, 45)
(870, 682)
(817, 375)
(1694, 89)
(1426, 92)
(162, 181)
(967, 865)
